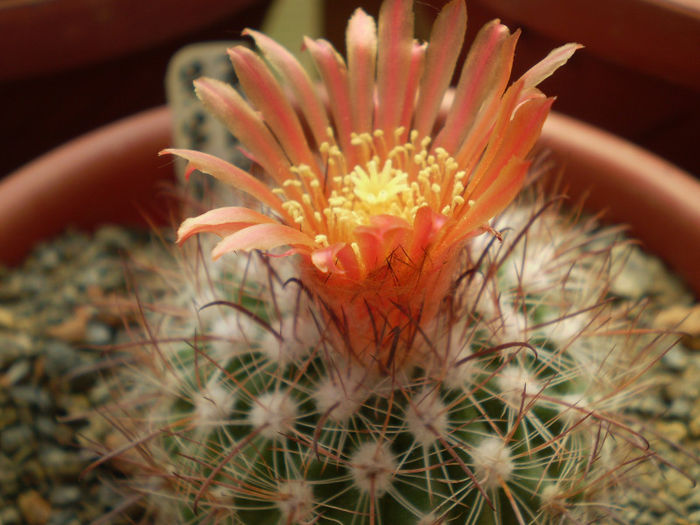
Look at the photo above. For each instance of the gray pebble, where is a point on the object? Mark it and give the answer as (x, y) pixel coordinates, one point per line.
(64, 518)
(648, 405)
(64, 495)
(680, 408)
(49, 258)
(98, 333)
(13, 438)
(10, 516)
(17, 371)
(61, 463)
(60, 358)
(675, 359)
(8, 416)
(16, 346)
(30, 396)
(9, 483)
(45, 426)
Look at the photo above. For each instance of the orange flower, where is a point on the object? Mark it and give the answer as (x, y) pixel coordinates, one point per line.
(371, 187)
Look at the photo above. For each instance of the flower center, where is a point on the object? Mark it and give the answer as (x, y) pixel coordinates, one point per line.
(375, 179)
(378, 190)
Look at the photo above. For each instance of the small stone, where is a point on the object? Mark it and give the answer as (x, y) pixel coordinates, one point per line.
(9, 483)
(64, 495)
(674, 431)
(17, 371)
(680, 408)
(13, 438)
(10, 516)
(35, 509)
(60, 463)
(60, 358)
(678, 484)
(45, 426)
(682, 319)
(676, 358)
(98, 334)
(657, 505)
(72, 329)
(648, 405)
(8, 416)
(31, 396)
(75, 405)
(694, 517)
(33, 474)
(685, 386)
(16, 346)
(694, 426)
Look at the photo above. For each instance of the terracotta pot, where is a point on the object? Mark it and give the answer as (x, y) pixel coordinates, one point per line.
(110, 175)
(114, 175)
(48, 35)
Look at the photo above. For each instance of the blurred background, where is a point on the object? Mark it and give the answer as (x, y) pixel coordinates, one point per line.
(69, 66)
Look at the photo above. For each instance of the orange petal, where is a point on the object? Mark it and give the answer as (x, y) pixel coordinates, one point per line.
(325, 258)
(334, 73)
(445, 43)
(299, 82)
(483, 77)
(222, 221)
(378, 239)
(245, 124)
(394, 61)
(494, 133)
(264, 92)
(229, 174)
(520, 136)
(426, 226)
(553, 61)
(414, 74)
(490, 203)
(361, 43)
(262, 237)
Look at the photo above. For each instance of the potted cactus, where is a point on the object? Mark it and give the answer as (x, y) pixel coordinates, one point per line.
(385, 333)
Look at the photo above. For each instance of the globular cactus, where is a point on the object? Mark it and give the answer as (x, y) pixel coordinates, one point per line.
(425, 351)
(237, 408)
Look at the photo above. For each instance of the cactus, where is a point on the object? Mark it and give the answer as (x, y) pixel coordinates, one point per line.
(426, 351)
(238, 409)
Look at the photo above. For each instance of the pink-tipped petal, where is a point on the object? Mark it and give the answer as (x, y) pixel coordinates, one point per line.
(298, 81)
(443, 51)
(229, 174)
(417, 65)
(519, 138)
(334, 74)
(245, 124)
(361, 42)
(380, 238)
(492, 202)
(262, 237)
(553, 61)
(264, 93)
(483, 143)
(426, 226)
(326, 259)
(394, 61)
(483, 77)
(221, 221)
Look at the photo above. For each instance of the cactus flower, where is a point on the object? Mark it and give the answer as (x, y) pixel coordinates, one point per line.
(364, 178)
